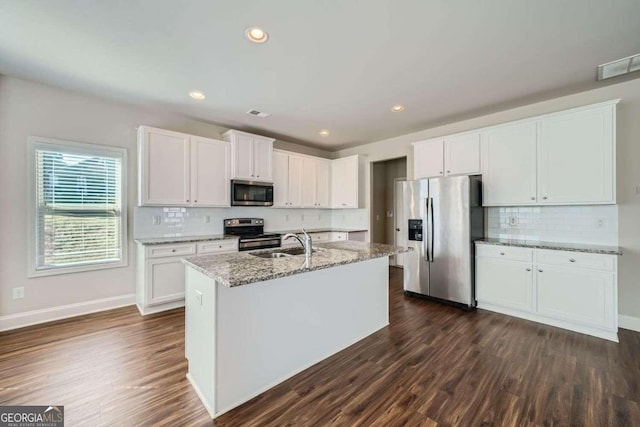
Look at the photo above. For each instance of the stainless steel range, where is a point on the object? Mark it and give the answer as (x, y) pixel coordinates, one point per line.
(251, 233)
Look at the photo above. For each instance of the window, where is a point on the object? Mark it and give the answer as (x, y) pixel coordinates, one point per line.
(77, 206)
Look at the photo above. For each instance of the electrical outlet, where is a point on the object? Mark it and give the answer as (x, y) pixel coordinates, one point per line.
(513, 221)
(199, 297)
(156, 220)
(599, 223)
(207, 219)
(18, 293)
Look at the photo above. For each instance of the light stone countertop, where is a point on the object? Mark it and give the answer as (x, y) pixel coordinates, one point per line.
(572, 247)
(242, 268)
(320, 230)
(182, 239)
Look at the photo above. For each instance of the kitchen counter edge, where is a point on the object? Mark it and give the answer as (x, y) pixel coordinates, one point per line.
(555, 246)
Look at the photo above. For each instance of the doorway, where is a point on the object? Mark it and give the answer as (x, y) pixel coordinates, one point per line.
(386, 203)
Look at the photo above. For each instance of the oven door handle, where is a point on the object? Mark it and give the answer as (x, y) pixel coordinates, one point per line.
(260, 239)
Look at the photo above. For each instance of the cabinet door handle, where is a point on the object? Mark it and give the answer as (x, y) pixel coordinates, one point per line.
(528, 269)
(533, 198)
(572, 260)
(501, 253)
(544, 198)
(539, 270)
(173, 250)
(195, 201)
(440, 172)
(397, 229)
(448, 171)
(187, 200)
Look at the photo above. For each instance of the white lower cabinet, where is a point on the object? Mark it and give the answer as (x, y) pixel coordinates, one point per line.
(160, 272)
(576, 291)
(505, 283)
(576, 295)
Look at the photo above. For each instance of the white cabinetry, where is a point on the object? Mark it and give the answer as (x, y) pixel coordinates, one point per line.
(428, 159)
(347, 182)
(300, 181)
(565, 158)
(508, 165)
(576, 157)
(251, 156)
(177, 169)
(453, 155)
(571, 290)
(160, 272)
(505, 279)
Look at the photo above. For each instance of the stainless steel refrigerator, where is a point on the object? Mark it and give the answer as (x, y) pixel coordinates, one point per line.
(444, 216)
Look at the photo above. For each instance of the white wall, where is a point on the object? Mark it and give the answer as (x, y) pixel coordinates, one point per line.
(28, 108)
(628, 166)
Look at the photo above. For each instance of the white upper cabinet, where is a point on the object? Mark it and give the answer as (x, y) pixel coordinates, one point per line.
(177, 169)
(210, 172)
(280, 179)
(454, 155)
(309, 182)
(163, 167)
(565, 158)
(251, 156)
(296, 165)
(509, 166)
(300, 181)
(462, 155)
(428, 159)
(347, 182)
(576, 157)
(323, 183)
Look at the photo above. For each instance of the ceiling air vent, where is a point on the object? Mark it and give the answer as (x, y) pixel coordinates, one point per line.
(258, 113)
(619, 67)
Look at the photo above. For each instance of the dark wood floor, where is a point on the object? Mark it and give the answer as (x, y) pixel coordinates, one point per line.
(434, 365)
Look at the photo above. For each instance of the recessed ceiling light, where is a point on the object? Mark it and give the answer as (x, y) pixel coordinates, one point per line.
(397, 108)
(256, 35)
(197, 95)
(324, 132)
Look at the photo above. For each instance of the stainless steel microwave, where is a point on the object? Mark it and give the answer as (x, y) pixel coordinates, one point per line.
(251, 193)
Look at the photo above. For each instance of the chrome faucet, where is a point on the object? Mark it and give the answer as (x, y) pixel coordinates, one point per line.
(306, 243)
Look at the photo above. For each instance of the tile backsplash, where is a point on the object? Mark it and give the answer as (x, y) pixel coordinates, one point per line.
(569, 224)
(171, 221)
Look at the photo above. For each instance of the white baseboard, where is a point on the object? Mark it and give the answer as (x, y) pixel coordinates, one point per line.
(28, 318)
(629, 322)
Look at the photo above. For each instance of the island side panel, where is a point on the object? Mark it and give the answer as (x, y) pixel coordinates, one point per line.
(200, 302)
(269, 331)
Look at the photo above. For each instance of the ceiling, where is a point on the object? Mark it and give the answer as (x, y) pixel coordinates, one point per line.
(328, 64)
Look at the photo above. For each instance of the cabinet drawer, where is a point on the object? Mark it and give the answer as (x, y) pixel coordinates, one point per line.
(214, 246)
(340, 236)
(157, 251)
(319, 237)
(510, 253)
(576, 259)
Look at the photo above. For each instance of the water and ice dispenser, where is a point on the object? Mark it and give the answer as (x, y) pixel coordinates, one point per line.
(415, 230)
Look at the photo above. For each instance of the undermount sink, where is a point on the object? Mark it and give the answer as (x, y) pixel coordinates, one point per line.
(271, 255)
(284, 253)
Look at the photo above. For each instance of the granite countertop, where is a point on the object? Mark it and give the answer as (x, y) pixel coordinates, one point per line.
(572, 247)
(182, 239)
(243, 268)
(320, 230)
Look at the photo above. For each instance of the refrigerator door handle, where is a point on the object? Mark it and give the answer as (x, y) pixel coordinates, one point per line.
(429, 236)
(425, 233)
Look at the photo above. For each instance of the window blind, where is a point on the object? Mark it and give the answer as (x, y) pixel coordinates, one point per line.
(79, 207)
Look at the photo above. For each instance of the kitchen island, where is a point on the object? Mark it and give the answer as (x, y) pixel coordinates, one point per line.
(252, 322)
